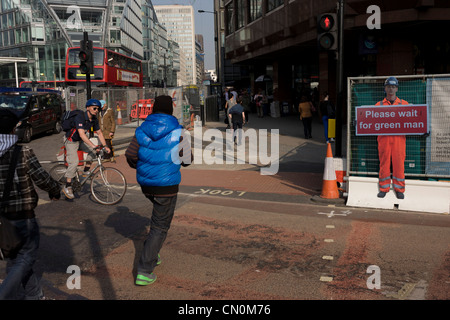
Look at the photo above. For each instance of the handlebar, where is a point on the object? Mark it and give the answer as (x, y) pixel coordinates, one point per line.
(100, 151)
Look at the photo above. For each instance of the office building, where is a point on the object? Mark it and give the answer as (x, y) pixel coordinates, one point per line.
(179, 22)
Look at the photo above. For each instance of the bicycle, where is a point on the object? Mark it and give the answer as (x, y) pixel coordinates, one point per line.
(108, 185)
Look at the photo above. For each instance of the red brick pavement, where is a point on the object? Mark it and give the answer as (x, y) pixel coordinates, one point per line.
(292, 183)
(289, 183)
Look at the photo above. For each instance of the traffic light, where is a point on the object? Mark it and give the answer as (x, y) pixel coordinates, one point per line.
(327, 31)
(86, 56)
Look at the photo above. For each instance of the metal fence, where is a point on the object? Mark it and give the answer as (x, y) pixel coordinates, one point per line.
(187, 101)
(427, 154)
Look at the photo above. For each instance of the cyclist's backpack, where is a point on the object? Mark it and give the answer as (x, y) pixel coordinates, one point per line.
(67, 120)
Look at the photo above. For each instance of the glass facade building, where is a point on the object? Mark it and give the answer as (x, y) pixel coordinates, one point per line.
(42, 30)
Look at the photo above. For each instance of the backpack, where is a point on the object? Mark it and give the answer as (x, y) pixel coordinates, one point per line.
(67, 119)
(330, 111)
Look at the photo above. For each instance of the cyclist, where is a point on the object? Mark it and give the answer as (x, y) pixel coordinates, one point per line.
(77, 138)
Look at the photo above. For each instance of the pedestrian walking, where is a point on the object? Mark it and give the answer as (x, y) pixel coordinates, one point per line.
(237, 118)
(246, 104)
(259, 97)
(234, 93)
(158, 173)
(21, 282)
(230, 103)
(391, 149)
(305, 109)
(326, 110)
(107, 121)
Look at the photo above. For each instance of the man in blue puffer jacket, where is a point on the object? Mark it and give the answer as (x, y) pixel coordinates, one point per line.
(157, 152)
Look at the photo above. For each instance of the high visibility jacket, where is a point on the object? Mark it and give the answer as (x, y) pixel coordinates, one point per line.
(392, 149)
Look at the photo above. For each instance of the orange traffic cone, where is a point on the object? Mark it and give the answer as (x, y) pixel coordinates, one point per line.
(329, 186)
(119, 116)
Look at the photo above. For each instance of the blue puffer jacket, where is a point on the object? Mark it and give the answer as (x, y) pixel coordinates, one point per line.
(158, 163)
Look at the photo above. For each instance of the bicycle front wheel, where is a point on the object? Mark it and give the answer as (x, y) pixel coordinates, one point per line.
(108, 186)
(58, 173)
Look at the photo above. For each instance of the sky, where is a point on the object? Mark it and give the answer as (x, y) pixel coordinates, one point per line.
(204, 24)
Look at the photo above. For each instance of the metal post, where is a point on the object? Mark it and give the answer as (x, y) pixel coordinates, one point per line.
(17, 74)
(340, 74)
(88, 75)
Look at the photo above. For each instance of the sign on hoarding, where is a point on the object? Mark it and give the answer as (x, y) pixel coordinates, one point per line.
(127, 76)
(392, 120)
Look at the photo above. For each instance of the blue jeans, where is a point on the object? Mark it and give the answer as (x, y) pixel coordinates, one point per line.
(237, 132)
(163, 210)
(21, 282)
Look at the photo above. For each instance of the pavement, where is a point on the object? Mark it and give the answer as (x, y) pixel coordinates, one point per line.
(301, 161)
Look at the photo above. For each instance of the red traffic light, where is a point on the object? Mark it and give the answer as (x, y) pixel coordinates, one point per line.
(326, 22)
(327, 31)
(83, 56)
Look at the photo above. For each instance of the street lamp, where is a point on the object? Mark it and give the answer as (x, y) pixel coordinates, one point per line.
(216, 39)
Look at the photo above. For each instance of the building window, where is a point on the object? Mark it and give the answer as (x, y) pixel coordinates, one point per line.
(37, 34)
(229, 17)
(18, 36)
(115, 36)
(12, 39)
(272, 4)
(10, 20)
(5, 38)
(240, 13)
(4, 19)
(255, 9)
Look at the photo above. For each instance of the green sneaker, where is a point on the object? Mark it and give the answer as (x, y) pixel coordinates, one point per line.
(142, 280)
(159, 260)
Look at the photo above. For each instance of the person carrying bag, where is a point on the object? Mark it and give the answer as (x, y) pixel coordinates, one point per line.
(10, 239)
(20, 171)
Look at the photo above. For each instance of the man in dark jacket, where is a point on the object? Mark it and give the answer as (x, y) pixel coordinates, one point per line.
(237, 118)
(157, 152)
(21, 282)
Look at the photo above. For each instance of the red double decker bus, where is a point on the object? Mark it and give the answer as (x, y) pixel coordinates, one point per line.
(111, 69)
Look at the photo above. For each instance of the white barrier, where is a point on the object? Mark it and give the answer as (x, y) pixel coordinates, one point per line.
(420, 195)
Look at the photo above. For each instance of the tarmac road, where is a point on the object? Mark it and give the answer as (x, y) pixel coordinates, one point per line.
(228, 248)
(237, 235)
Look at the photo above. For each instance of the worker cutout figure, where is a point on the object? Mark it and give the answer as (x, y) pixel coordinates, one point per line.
(391, 148)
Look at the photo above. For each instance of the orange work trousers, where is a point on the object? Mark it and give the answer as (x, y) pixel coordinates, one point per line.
(392, 149)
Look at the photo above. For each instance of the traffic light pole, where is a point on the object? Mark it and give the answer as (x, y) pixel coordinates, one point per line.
(88, 74)
(340, 80)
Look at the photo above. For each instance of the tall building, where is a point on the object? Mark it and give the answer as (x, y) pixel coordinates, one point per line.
(179, 22)
(200, 57)
(42, 30)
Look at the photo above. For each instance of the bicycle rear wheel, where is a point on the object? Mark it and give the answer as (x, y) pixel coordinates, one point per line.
(108, 186)
(58, 173)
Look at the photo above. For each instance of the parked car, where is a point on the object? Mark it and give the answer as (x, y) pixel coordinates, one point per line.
(38, 111)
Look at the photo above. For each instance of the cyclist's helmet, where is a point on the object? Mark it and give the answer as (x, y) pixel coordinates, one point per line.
(93, 102)
(391, 81)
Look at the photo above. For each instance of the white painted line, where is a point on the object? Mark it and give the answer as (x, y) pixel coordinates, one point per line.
(326, 279)
(327, 258)
(329, 240)
(329, 226)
